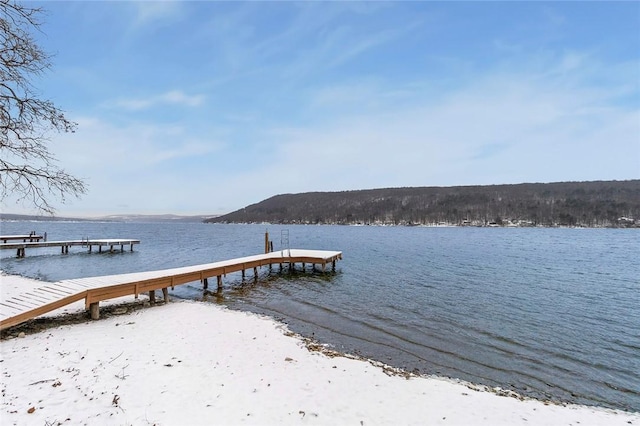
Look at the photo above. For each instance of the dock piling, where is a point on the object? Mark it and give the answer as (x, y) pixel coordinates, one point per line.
(94, 310)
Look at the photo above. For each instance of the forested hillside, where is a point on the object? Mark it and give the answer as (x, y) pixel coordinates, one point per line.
(590, 204)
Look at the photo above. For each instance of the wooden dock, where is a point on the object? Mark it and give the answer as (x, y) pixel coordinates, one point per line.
(27, 237)
(19, 308)
(21, 247)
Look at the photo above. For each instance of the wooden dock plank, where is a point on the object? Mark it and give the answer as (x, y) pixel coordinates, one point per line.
(17, 304)
(9, 309)
(56, 291)
(39, 296)
(77, 283)
(68, 286)
(23, 300)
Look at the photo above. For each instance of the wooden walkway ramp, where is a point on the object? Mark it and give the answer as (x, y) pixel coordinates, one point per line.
(16, 309)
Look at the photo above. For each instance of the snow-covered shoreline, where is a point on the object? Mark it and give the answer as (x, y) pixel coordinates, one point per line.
(196, 363)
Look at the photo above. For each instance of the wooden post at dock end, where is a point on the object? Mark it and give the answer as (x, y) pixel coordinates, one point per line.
(333, 265)
(255, 273)
(94, 310)
(165, 294)
(205, 283)
(152, 297)
(266, 242)
(219, 282)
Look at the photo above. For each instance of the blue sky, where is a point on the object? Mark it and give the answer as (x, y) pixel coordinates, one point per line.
(206, 107)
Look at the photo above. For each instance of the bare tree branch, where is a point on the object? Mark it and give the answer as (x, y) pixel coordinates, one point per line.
(28, 170)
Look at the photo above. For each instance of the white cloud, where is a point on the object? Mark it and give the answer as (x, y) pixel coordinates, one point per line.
(148, 12)
(173, 97)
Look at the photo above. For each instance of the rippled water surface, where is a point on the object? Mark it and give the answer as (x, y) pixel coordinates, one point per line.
(546, 312)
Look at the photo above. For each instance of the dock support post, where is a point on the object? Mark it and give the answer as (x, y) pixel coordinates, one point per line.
(152, 297)
(121, 248)
(243, 274)
(111, 248)
(205, 283)
(165, 294)
(94, 310)
(333, 265)
(219, 282)
(255, 272)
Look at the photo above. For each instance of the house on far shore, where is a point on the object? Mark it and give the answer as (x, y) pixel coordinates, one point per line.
(626, 221)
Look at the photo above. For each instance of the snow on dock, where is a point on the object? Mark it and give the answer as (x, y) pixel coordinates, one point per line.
(20, 307)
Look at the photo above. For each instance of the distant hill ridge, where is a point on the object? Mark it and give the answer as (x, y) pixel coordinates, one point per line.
(588, 204)
(110, 218)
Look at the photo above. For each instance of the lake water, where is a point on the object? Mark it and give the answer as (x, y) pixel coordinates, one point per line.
(550, 313)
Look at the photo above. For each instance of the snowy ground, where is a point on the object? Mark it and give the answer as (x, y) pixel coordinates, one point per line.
(189, 363)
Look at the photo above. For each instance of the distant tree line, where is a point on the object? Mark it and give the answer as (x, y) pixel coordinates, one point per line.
(588, 204)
